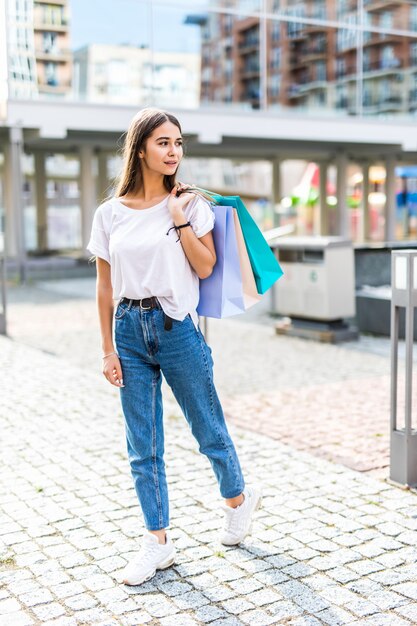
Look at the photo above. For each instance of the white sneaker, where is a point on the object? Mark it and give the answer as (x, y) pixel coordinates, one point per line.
(152, 556)
(238, 521)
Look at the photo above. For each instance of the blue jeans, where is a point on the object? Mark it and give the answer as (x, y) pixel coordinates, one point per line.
(182, 355)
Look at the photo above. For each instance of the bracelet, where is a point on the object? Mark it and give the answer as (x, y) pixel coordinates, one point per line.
(178, 228)
(109, 354)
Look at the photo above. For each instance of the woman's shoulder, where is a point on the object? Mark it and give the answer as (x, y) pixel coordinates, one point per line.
(106, 207)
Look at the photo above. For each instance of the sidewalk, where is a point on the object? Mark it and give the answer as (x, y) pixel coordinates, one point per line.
(329, 546)
(329, 400)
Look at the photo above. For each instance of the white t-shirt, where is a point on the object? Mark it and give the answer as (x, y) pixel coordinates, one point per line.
(146, 261)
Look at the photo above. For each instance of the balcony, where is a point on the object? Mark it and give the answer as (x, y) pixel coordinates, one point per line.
(348, 72)
(50, 87)
(60, 55)
(383, 66)
(378, 39)
(40, 24)
(304, 86)
(296, 34)
(379, 5)
(412, 95)
(314, 53)
(248, 43)
(250, 70)
(390, 102)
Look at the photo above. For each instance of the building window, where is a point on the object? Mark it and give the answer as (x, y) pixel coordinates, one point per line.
(276, 57)
(274, 86)
(385, 20)
(321, 71)
(340, 68)
(388, 58)
(50, 42)
(413, 53)
(51, 74)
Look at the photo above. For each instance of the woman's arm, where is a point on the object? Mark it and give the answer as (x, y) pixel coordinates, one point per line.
(200, 252)
(111, 365)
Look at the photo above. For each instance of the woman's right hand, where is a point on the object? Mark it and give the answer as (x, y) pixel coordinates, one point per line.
(112, 370)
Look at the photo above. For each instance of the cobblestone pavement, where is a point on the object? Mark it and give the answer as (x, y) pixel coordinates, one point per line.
(329, 546)
(332, 401)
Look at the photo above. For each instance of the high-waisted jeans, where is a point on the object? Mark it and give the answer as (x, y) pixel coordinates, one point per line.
(182, 355)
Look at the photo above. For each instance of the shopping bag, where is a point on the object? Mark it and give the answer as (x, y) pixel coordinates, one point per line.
(221, 293)
(250, 293)
(265, 266)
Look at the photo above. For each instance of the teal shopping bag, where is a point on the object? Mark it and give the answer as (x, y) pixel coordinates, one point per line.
(265, 266)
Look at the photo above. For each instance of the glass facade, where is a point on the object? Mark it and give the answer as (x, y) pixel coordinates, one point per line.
(340, 57)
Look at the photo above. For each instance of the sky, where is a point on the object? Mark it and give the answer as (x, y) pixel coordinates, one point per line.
(127, 21)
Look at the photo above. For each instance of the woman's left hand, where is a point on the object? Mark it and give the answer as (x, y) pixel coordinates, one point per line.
(176, 204)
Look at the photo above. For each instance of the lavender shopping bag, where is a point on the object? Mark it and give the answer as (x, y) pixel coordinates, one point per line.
(221, 294)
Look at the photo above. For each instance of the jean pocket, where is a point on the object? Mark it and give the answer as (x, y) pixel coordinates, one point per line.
(120, 311)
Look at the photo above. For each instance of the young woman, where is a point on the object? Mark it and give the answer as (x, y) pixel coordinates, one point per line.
(153, 242)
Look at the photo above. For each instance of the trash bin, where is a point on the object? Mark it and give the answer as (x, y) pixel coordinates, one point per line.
(318, 282)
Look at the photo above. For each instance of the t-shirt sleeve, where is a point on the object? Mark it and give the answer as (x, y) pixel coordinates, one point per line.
(99, 238)
(199, 212)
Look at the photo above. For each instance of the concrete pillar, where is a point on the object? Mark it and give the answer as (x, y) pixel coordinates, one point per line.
(14, 216)
(391, 200)
(323, 208)
(343, 226)
(276, 188)
(88, 198)
(41, 201)
(103, 182)
(366, 222)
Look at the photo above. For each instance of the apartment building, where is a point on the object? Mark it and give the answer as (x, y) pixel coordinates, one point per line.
(131, 75)
(313, 55)
(52, 47)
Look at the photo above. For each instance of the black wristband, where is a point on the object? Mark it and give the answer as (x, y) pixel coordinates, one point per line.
(178, 228)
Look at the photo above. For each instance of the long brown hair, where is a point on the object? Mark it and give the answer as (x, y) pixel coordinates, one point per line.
(140, 129)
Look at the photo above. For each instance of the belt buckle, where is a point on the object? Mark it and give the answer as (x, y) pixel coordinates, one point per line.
(144, 308)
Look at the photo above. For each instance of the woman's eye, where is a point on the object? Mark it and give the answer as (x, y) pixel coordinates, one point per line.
(164, 143)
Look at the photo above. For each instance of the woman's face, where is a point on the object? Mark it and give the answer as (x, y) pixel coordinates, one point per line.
(164, 150)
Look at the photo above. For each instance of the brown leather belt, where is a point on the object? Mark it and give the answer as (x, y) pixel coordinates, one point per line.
(146, 304)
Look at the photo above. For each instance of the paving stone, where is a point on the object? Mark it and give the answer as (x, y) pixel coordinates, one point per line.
(283, 609)
(409, 611)
(256, 617)
(9, 606)
(48, 611)
(227, 621)
(209, 613)
(80, 602)
(20, 618)
(335, 616)
(135, 618)
(238, 605)
(190, 600)
(407, 589)
(40, 596)
(219, 592)
(186, 620)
